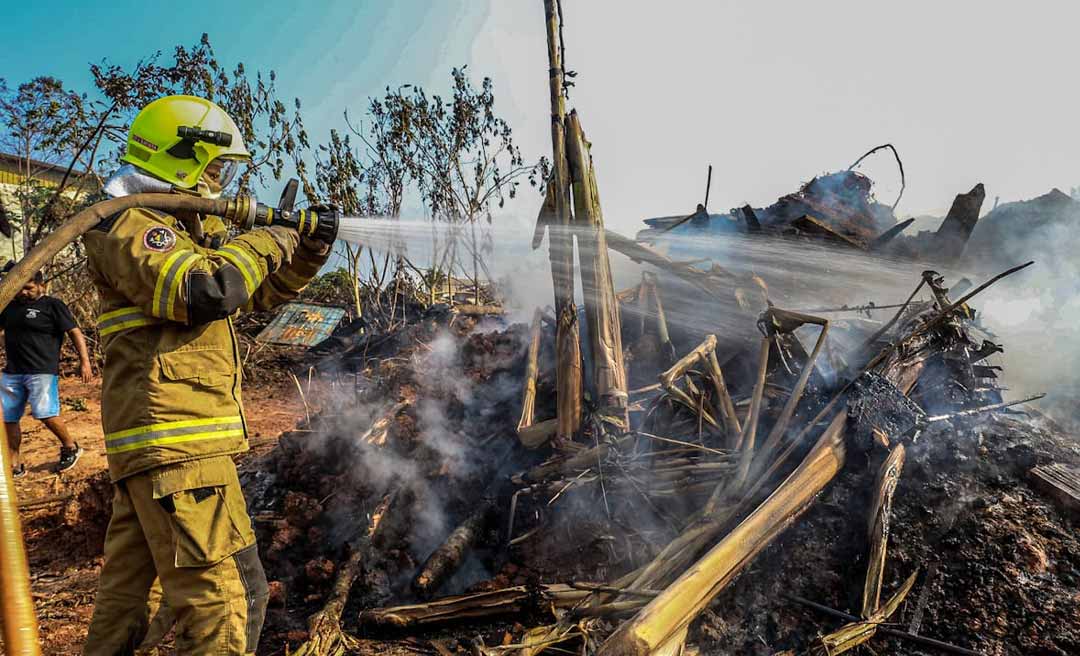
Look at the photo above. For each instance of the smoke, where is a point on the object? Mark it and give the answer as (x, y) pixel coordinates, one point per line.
(456, 394)
(1033, 314)
(1036, 315)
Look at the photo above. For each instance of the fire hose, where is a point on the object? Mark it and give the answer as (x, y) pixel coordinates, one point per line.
(20, 630)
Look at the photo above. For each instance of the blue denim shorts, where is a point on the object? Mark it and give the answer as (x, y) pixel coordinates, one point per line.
(42, 390)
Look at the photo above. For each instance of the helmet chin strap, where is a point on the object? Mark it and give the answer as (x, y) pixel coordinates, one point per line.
(206, 189)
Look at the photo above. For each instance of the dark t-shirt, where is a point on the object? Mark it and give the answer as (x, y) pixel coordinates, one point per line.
(33, 333)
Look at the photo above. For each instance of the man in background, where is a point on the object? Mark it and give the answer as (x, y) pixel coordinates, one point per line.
(34, 326)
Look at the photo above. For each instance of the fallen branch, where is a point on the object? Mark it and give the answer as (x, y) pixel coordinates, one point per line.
(325, 636)
(480, 604)
(473, 309)
(445, 560)
(669, 614)
(855, 633)
(886, 630)
(714, 281)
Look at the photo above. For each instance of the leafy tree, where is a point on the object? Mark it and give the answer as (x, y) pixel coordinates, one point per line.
(458, 152)
(42, 123)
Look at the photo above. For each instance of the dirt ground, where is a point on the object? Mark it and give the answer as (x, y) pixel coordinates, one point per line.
(64, 522)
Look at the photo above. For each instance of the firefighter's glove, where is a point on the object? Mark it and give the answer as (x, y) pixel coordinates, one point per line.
(318, 246)
(314, 246)
(286, 240)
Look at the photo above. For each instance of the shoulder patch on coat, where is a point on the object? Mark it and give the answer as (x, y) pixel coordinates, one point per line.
(159, 238)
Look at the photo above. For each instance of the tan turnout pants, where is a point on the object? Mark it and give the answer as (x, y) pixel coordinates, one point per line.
(186, 525)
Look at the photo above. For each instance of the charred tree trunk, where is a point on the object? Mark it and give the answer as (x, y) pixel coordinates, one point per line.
(561, 245)
(601, 308)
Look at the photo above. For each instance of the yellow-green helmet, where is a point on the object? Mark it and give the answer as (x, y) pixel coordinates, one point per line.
(174, 138)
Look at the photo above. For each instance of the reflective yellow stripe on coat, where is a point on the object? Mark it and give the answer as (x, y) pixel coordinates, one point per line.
(173, 432)
(167, 288)
(123, 319)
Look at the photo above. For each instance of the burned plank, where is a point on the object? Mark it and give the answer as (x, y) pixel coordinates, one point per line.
(884, 238)
(810, 225)
(1061, 482)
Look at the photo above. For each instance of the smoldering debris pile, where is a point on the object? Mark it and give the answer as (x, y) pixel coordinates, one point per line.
(837, 207)
(793, 494)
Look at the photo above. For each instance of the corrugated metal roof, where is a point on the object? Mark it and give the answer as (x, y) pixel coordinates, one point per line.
(303, 324)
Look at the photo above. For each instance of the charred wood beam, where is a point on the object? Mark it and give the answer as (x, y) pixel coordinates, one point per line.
(811, 225)
(537, 435)
(714, 282)
(952, 236)
(578, 462)
(884, 238)
(752, 223)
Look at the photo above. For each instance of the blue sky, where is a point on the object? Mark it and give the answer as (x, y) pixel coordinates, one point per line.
(770, 92)
(332, 54)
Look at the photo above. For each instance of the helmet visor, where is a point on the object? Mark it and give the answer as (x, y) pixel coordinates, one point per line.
(220, 173)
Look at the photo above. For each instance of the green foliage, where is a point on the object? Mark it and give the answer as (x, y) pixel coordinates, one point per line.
(334, 287)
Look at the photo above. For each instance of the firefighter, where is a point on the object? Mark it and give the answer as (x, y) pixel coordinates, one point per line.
(171, 406)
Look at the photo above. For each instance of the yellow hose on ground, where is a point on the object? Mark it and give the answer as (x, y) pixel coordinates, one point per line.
(20, 623)
(20, 629)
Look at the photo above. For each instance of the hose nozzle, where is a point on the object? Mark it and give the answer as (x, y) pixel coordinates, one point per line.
(318, 223)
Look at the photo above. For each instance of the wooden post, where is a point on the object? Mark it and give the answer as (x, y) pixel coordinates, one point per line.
(601, 307)
(561, 245)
